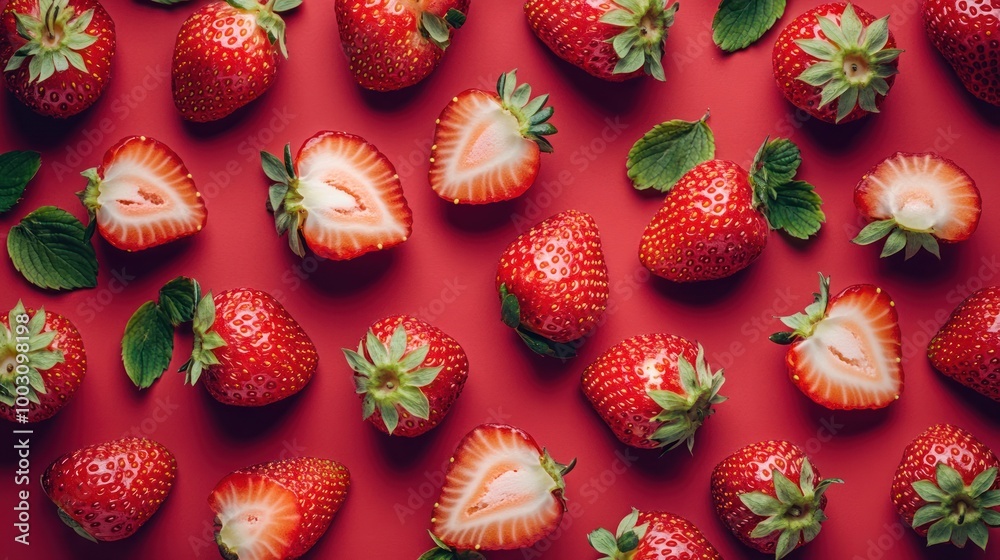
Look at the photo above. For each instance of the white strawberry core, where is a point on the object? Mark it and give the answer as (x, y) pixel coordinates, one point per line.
(914, 209)
(844, 345)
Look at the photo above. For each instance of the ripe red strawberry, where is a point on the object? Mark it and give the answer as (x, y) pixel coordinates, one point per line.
(142, 195)
(553, 283)
(846, 351)
(653, 535)
(946, 487)
(715, 220)
(251, 351)
(966, 35)
(501, 492)
(408, 374)
(57, 53)
(105, 492)
(393, 44)
(487, 145)
(839, 53)
(653, 390)
(613, 41)
(277, 510)
(770, 496)
(55, 367)
(967, 348)
(227, 55)
(917, 200)
(341, 194)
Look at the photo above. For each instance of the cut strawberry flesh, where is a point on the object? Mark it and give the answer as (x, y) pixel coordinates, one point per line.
(256, 518)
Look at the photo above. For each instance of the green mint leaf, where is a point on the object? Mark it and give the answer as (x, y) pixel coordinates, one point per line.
(668, 151)
(739, 23)
(797, 210)
(179, 298)
(147, 345)
(50, 250)
(16, 170)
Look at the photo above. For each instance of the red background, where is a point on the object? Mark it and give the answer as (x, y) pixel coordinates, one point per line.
(445, 272)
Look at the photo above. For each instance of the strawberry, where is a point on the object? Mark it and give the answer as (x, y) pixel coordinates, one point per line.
(408, 373)
(967, 347)
(653, 390)
(553, 283)
(277, 510)
(836, 52)
(487, 145)
(341, 194)
(251, 351)
(51, 371)
(394, 44)
(105, 492)
(142, 196)
(845, 352)
(227, 55)
(917, 200)
(716, 218)
(614, 41)
(770, 496)
(946, 487)
(653, 535)
(965, 34)
(57, 53)
(501, 492)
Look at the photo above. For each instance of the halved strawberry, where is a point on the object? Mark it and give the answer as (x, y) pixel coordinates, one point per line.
(845, 351)
(142, 195)
(487, 146)
(342, 194)
(917, 200)
(501, 492)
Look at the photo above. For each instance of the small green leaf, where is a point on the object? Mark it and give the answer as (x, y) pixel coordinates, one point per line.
(875, 231)
(49, 248)
(545, 347)
(16, 170)
(147, 345)
(179, 298)
(273, 167)
(739, 23)
(285, 5)
(603, 541)
(668, 151)
(797, 210)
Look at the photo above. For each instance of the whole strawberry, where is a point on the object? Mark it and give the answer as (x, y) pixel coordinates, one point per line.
(967, 347)
(408, 374)
(249, 349)
(56, 53)
(716, 220)
(653, 390)
(614, 41)
(653, 535)
(966, 35)
(553, 283)
(392, 45)
(836, 62)
(770, 496)
(227, 55)
(277, 510)
(52, 371)
(946, 487)
(105, 492)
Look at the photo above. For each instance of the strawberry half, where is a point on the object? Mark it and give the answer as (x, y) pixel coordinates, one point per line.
(277, 510)
(917, 200)
(967, 347)
(409, 373)
(846, 351)
(653, 535)
(142, 195)
(965, 34)
(487, 146)
(341, 194)
(501, 492)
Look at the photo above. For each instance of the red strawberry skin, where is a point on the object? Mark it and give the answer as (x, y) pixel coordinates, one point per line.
(965, 32)
(572, 29)
(267, 356)
(113, 488)
(945, 443)
(707, 227)
(61, 380)
(70, 91)
(670, 536)
(558, 274)
(967, 348)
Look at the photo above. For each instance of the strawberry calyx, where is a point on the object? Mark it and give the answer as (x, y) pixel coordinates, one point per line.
(442, 551)
(899, 236)
(283, 198)
(959, 512)
(268, 18)
(646, 24)
(54, 39)
(510, 314)
(623, 543)
(205, 341)
(389, 376)
(557, 471)
(853, 62)
(437, 29)
(532, 114)
(803, 324)
(683, 413)
(72, 524)
(794, 510)
(89, 196)
(789, 205)
(24, 354)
